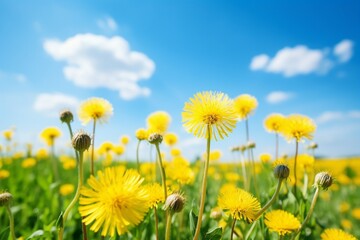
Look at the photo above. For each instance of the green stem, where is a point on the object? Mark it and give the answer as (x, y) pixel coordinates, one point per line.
(168, 227)
(71, 137)
(11, 219)
(244, 171)
(162, 170)
(203, 189)
(137, 156)
(306, 182)
(93, 148)
(309, 213)
(295, 161)
(156, 224)
(250, 230)
(276, 146)
(76, 197)
(232, 229)
(54, 163)
(271, 201)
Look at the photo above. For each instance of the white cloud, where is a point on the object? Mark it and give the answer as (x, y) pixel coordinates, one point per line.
(97, 61)
(278, 97)
(190, 142)
(292, 61)
(354, 114)
(344, 50)
(52, 103)
(18, 77)
(107, 24)
(330, 116)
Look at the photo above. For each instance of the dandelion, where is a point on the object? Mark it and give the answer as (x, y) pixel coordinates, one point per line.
(119, 149)
(175, 152)
(141, 134)
(115, 201)
(336, 234)
(208, 115)
(170, 139)
(28, 163)
(5, 201)
(125, 139)
(4, 174)
(265, 157)
(240, 205)
(96, 110)
(8, 134)
(158, 122)
(174, 203)
(281, 222)
(49, 135)
(66, 189)
(356, 213)
(273, 123)
(156, 196)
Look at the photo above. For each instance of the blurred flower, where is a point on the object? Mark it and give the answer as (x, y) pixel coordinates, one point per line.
(336, 234)
(105, 147)
(344, 207)
(4, 173)
(356, 213)
(119, 149)
(209, 111)
(274, 122)
(281, 222)
(28, 163)
(170, 139)
(347, 224)
(8, 134)
(158, 122)
(116, 200)
(66, 189)
(175, 152)
(306, 161)
(69, 163)
(41, 154)
(156, 194)
(265, 157)
(49, 135)
(244, 105)
(97, 109)
(142, 134)
(215, 155)
(125, 139)
(240, 204)
(298, 127)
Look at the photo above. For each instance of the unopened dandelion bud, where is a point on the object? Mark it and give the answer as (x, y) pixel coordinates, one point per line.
(323, 180)
(174, 202)
(5, 199)
(313, 145)
(281, 171)
(251, 145)
(81, 141)
(242, 148)
(66, 116)
(155, 138)
(216, 213)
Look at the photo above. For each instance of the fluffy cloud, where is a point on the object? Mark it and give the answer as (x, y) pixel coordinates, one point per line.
(107, 24)
(97, 61)
(330, 116)
(344, 50)
(292, 61)
(52, 103)
(18, 77)
(278, 97)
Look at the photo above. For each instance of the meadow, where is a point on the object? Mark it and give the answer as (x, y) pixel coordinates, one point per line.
(88, 193)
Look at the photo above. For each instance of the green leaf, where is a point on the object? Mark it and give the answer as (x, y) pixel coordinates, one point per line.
(193, 218)
(4, 235)
(214, 234)
(35, 234)
(59, 221)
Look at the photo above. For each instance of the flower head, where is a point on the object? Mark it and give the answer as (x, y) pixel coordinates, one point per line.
(244, 105)
(81, 141)
(240, 204)
(274, 122)
(141, 134)
(125, 139)
(174, 202)
(170, 139)
(298, 127)
(265, 157)
(28, 163)
(5, 198)
(4, 174)
(66, 116)
(49, 135)
(156, 194)
(336, 234)
(209, 114)
(281, 222)
(95, 108)
(158, 122)
(66, 189)
(323, 180)
(116, 200)
(8, 134)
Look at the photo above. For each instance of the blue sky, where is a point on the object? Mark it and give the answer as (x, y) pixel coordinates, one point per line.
(145, 56)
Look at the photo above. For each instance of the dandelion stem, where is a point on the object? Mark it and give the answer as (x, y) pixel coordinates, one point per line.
(156, 224)
(276, 146)
(309, 213)
(203, 189)
(232, 229)
(306, 182)
(250, 230)
(76, 197)
(168, 227)
(137, 156)
(295, 161)
(71, 136)
(271, 201)
(54, 163)
(11, 220)
(93, 148)
(162, 170)
(244, 171)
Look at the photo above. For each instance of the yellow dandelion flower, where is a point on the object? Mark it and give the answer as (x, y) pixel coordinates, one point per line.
(119, 149)
(306, 161)
(69, 163)
(158, 122)
(347, 224)
(274, 122)
(115, 201)
(41, 154)
(344, 207)
(240, 204)
(298, 127)
(142, 134)
(49, 135)
(8, 134)
(336, 234)
(28, 163)
(356, 213)
(125, 139)
(156, 194)
(170, 139)
(265, 157)
(244, 105)
(209, 111)
(175, 152)
(228, 187)
(105, 147)
(4, 174)
(66, 189)
(281, 222)
(97, 109)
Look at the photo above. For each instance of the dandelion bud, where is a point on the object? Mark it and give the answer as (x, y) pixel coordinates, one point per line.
(251, 145)
(174, 202)
(216, 213)
(313, 145)
(5, 198)
(242, 148)
(66, 116)
(81, 141)
(281, 171)
(155, 138)
(323, 180)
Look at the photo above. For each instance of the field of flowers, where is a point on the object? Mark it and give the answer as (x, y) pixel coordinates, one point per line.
(90, 194)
